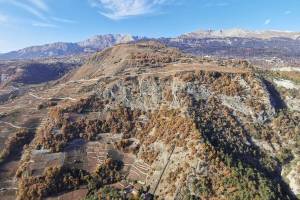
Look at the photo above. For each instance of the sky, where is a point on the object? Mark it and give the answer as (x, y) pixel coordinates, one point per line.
(33, 22)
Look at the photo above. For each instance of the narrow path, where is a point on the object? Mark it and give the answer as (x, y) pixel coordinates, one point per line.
(5, 189)
(60, 98)
(84, 80)
(37, 97)
(16, 126)
(12, 125)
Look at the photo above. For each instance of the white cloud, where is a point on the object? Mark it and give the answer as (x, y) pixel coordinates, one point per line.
(40, 4)
(119, 9)
(29, 8)
(62, 20)
(40, 10)
(267, 21)
(44, 25)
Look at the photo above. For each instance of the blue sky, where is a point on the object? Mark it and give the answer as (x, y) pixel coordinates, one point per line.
(32, 22)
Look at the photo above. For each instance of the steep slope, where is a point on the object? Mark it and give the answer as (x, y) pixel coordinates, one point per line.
(143, 120)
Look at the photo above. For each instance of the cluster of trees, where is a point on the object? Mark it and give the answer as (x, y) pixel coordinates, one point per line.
(228, 84)
(64, 127)
(60, 179)
(204, 77)
(107, 173)
(169, 127)
(108, 192)
(69, 130)
(149, 155)
(123, 120)
(14, 144)
(153, 59)
(220, 176)
(53, 181)
(125, 145)
(236, 182)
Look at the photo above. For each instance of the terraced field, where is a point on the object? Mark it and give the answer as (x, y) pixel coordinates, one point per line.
(139, 171)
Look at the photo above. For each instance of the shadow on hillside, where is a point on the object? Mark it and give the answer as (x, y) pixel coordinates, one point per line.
(275, 97)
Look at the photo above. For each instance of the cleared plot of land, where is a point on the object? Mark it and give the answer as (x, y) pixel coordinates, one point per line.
(8, 184)
(73, 195)
(40, 160)
(96, 154)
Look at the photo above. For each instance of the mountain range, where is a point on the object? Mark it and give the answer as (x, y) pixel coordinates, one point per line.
(241, 33)
(60, 49)
(225, 43)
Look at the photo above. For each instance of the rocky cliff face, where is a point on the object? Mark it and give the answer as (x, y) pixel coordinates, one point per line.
(162, 123)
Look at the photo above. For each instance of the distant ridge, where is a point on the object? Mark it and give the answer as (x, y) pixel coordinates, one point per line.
(230, 42)
(242, 33)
